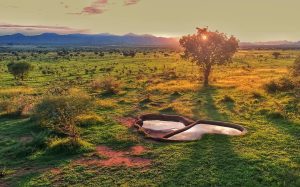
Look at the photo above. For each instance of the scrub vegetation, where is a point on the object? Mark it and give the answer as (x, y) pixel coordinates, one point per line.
(67, 120)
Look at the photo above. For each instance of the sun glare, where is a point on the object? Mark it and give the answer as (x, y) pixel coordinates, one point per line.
(204, 37)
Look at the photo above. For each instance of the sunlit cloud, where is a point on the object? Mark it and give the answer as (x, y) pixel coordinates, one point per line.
(130, 2)
(96, 7)
(36, 29)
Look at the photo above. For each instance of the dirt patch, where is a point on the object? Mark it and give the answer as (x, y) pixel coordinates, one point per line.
(55, 171)
(127, 121)
(138, 150)
(107, 152)
(117, 158)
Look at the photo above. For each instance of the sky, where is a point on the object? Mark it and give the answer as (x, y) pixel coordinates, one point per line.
(248, 20)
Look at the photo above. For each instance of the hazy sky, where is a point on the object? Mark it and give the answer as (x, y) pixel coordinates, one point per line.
(249, 20)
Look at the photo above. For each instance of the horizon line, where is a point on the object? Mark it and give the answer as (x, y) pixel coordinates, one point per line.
(131, 33)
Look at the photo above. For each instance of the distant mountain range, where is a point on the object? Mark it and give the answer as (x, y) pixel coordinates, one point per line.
(132, 40)
(88, 40)
(271, 44)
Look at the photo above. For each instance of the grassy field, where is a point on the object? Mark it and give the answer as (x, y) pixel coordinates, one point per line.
(268, 155)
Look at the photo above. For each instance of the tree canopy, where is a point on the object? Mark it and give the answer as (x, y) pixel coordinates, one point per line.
(208, 48)
(19, 69)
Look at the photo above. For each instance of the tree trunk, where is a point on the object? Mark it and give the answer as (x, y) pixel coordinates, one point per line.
(206, 73)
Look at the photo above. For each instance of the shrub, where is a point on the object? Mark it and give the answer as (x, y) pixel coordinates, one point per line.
(271, 87)
(59, 113)
(19, 69)
(17, 106)
(95, 85)
(129, 53)
(228, 99)
(257, 95)
(276, 55)
(109, 85)
(283, 85)
(296, 67)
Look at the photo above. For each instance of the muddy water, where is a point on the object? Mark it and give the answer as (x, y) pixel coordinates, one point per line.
(165, 126)
(197, 131)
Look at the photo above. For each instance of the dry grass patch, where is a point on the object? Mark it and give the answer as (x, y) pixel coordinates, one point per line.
(106, 103)
(175, 85)
(9, 92)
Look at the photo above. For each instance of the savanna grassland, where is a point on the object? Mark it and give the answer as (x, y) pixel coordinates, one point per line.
(154, 82)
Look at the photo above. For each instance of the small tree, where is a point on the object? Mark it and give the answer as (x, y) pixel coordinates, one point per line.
(60, 113)
(296, 67)
(276, 55)
(208, 48)
(19, 69)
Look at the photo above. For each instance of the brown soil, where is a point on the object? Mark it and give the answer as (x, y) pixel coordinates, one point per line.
(117, 158)
(127, 121)
(55, 171)
(137, 150)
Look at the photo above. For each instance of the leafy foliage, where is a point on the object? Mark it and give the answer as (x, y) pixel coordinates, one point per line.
(276, 55)
(283, 84)
(19, 69)
(59, 113)
(208, 48)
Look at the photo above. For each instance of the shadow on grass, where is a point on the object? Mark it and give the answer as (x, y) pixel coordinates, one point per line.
(287, 126)
(25, 158)
(205, 105)
(215, 160)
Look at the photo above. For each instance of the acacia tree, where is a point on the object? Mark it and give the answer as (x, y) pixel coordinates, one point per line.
(207, 48)
(276, 55)
(19, 69)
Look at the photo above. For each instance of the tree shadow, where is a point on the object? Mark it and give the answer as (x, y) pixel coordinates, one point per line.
(205, 105)
(287, 126)
(24, 157)
(214, 161)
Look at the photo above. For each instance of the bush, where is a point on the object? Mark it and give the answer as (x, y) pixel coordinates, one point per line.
(227, 99)
(129, 53)
(276, 55)
(109, 85)
(281, 85)
(59, 113)
(271, 87)
(257, 95)
(96, 85)
(18, 106)
(296, 67)
(19, 69)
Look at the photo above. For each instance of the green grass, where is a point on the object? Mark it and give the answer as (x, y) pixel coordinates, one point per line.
(268, 155)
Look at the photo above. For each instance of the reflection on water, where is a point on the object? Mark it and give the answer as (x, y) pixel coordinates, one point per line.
(197, 131)
(160, 125)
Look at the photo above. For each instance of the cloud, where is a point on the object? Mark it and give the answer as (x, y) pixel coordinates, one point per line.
(100, 6)
(34, 29)
(96, 7)
(130, 2)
